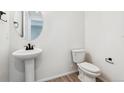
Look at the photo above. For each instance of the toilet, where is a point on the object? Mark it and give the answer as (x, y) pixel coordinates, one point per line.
(87, 71)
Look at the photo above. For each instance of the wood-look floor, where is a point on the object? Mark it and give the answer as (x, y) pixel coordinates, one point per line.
(69, 78)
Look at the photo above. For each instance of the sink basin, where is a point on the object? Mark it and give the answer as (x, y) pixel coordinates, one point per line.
(28, 58)
(27, 54)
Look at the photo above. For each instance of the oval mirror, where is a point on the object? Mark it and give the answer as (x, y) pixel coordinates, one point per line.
(28, 24)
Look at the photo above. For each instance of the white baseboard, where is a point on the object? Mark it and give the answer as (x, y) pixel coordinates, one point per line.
(56, 76)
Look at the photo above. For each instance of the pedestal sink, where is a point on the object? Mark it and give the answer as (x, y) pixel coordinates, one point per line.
(28, 57)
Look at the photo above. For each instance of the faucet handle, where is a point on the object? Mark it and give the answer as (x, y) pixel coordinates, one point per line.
(26, 47)
(32, 47)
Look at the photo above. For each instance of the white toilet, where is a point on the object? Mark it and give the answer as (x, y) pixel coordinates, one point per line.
(87, 72)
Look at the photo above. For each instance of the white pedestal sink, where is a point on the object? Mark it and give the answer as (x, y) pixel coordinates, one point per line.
(28, 57)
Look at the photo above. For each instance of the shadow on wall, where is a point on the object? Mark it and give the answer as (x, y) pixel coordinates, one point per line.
(88, 58)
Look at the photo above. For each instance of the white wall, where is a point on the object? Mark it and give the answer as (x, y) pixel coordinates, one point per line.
(4, 48)
(62, 32)
(16, 67)
(104, 37)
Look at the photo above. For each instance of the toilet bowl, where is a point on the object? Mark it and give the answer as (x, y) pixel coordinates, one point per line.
(87, 71)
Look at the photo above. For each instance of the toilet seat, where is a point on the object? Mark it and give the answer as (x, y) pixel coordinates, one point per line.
(89, 67)
(90, 73)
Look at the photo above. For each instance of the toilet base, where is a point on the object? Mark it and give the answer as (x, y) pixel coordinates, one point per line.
(86, 78)
(83, 77)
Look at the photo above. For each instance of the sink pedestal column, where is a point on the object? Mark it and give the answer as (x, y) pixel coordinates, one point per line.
(29, 70)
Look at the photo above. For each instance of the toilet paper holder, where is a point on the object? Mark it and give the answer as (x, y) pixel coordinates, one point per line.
(109, 60)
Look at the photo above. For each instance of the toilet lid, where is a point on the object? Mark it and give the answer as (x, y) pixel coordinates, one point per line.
(89, 67)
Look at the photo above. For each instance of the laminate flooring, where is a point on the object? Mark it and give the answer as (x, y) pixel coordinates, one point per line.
(69, 78)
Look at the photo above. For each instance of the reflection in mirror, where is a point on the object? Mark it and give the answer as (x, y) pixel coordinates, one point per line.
(28, 24)
(18, 22)
(36, 24)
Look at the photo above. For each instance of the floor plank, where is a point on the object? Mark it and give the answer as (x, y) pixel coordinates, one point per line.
(69, 78)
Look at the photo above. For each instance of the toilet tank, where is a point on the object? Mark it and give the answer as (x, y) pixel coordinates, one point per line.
(78, 55)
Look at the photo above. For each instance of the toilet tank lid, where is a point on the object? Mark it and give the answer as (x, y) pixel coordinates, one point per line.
(78, 50)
